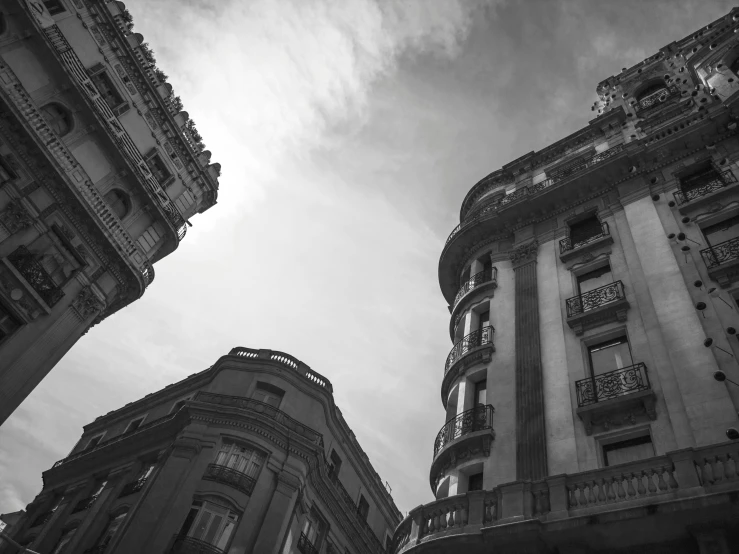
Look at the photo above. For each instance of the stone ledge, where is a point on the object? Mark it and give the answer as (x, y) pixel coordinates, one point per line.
(568, 255)
(607, 313)
(600, 413)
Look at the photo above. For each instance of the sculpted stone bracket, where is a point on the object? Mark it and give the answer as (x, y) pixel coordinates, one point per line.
(87, 304)
(524, 254)
(622, 410)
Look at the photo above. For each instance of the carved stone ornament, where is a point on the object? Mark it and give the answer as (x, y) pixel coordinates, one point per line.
(87, 304)
(15, 217)
(524, 254)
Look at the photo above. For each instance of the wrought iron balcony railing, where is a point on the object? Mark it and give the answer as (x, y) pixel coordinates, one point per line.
(566, 243)
(305, 546)
(595, 298)
(613, 384)
(723, 252)
(475, 281)
(229, 476)
(473, 340)
(189, 545)
(553, 179)
(703, 184)
(476, 419)
(133, 487)
(656, 99)
(33, 272)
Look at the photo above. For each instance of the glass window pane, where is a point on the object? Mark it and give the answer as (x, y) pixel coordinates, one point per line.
(610, 356)
(595, 279)
(211, 533)
(225, 534)
(202, 525)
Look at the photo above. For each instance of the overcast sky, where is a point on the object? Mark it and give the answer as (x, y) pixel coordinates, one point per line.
(348, 132)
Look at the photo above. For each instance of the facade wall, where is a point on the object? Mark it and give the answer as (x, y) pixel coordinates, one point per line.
(186, 425)
(88, 132)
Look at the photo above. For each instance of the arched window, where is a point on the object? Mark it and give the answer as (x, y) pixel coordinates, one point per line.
(118, 202)
(58, 118)
(650, 90)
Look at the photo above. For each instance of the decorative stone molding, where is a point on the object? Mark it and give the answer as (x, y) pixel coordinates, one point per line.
(524, 254)
(87, 304)
(15, 217)
(622, 410)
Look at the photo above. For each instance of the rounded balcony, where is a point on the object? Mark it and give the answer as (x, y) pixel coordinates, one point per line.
(477, 347)
(494, 215)
(467, 435)
(485, 280)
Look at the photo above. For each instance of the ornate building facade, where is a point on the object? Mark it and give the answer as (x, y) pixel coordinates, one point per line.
(593, 291)
(100, 172)
(251, 455)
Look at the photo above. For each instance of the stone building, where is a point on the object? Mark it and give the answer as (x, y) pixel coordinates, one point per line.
(100, 172)
(251, 455)
(593, 291)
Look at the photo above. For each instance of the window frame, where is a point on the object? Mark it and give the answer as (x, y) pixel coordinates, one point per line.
(621, 436)
(140, 419)
(269, 391)
(95, 72)
(365, 515)
(589, 349)
(203, 506)
(477, 475)
(12, 315)
(98, 436)
(174, 407)
(123, 197)
(154, 153)
(252, 464)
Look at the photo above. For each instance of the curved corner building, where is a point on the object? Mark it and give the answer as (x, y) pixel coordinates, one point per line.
(593, 293)
(251, 455)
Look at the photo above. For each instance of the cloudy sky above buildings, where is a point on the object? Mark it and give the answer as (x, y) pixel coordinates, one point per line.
(348, 131)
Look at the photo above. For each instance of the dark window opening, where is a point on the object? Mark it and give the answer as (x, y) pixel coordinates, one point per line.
(58, 118)
(159, 169)
(735, 66)
(481, 393)
(269, 394)
(9, 323)
(698, 179)
(723, 231)
(610, 356)
(475, 482)
(334, 465)
(110, 530)
(363, 508)
(107, 90)
(585, 231)
(54, 6)
(594, 279)
(484, 320)
(118, 202)
(631, 450)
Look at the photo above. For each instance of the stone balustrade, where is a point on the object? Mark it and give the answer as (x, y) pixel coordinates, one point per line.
(676, 476)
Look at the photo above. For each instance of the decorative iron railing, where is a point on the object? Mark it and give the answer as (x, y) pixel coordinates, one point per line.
(703, 184)
(473, 340)
(657, 98)
(476, 419)
(189, 545)
(33, 272)
(556, 177)
(267, 410)
(484, 276)
(85, 503)
(133, 487)
(723, 252)
(595, 298)
(613, 384)
(229, 476)
(566, 243)
(305, 546)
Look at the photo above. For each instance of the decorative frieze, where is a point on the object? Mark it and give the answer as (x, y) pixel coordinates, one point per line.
(15, 217)
(87, 304)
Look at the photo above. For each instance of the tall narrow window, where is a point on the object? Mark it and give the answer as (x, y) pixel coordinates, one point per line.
(269, 394)
(118, 202)
(609, 356)
(475, 482)
(110, 531)
(210, 523)
(240, 458)
(631, 450)
(9, 323)
(334, 465)
(594, 279)
(481, 393)
(159, 168)
(177, 405)
(363, 508)
(585, 231)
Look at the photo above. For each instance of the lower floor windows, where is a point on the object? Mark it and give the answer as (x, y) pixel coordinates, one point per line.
(110, 530)
(630, 450)
(210, 523)
(475, 482)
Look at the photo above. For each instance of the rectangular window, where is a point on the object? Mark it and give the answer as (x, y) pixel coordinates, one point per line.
(722, 231)
(475, 482)
(108, 91)
(585, 230)
(94, 441)
(609, 356)
(209, 523)
(9, 323)
(159, 168)
(481, 393)
(135, 424)
(631, 450)
(334, 464)
(269, 394)
(240, 458)
(54, 6)
(484, 320)
(594, 279)
(363, 508)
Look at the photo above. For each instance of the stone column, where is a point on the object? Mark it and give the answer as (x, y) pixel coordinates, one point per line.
(278, 515)
(531, 447)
